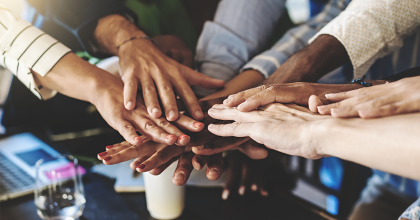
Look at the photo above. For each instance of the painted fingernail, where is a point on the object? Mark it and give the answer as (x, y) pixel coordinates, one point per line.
(198, 114)
(141, 166)
(198, 147)
(183, 137)
(102, 154)
(172, 114)
(225, 194)
(179, 176)
(198, 124)
(109, 146)
(107, 158)
(254, 187)
(137, 138)
(129, 104)
(241, 190)
(155, 110)
(213, 172)
(170, 136)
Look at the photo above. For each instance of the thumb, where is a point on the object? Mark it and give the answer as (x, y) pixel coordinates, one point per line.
(199, 79)
(315, 101)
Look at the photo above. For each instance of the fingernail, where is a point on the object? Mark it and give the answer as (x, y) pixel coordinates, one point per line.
(241, 190)
(172, 114)
(329, 95)
(199, 165)
(102, 154)
(213, 172)
(198, 124)
(107, 158)
(225, 194)
(264, 193)
(183, 137)
(199, 147)
(320, 108)
(241, 105)
(129, 104)
(141, 166)
(170, 136)
(254, 187)
(179, 176)
(137, 138)
(198, 114)
(155, 110)
(109, 146)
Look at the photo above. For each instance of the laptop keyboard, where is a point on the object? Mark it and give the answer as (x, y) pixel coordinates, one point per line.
(12, 177)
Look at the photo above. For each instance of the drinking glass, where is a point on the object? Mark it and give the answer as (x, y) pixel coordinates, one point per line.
(59, 193)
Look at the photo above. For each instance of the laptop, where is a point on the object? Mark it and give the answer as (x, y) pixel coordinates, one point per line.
(18, 156)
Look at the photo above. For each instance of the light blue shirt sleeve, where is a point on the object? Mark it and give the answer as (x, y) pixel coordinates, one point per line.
(239, 31)
(412, 212)
(294, 40)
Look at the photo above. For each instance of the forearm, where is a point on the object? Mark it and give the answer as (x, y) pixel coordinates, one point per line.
(325, 54)
(389, 144)
(245, 80)
(78, 79)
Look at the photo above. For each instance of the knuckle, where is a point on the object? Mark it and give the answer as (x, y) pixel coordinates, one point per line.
(149, 89)
(166, 89)
(149, 125)
(263, 87)
(163, 123)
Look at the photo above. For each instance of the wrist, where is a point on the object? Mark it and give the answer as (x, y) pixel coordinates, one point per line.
(325, 132)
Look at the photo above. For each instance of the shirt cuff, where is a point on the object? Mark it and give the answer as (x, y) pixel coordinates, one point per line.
(266, 63)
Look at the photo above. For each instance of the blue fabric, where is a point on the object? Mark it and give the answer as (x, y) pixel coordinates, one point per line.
(412, 212)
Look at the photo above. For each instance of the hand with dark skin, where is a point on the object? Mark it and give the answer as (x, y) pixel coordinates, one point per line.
(144, 66)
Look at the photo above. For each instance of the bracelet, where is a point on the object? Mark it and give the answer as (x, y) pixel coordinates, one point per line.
(133, 38)
(362, 82)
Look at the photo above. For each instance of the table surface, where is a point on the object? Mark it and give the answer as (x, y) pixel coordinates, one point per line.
(201, 204)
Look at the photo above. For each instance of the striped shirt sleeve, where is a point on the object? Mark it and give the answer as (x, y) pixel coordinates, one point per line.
(294, 40)
(372, 29)
(25, 49)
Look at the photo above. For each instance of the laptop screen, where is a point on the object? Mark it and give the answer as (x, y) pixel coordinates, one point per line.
(31, 157)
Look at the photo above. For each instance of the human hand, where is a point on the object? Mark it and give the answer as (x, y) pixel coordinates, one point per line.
(285, 128)
(377, 101)
(173, 47)
(297, 93)
(143, 65)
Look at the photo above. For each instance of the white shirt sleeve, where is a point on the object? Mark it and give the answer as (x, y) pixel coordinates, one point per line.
(371, 29)
(24, 48)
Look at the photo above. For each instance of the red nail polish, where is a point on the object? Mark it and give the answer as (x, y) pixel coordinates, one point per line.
(198, 124)
(137, 138)
(183, 136)
(141, 166)
(102, 154)
(109, 146)
(170, 136)
(107, 158)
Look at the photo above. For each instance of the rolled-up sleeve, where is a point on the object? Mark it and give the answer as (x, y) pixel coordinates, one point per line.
(412, 212)
(294, 40)
(24, 49)
(372, 29)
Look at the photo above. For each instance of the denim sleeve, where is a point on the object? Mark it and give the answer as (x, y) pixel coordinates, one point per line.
(77, 18)
(294, 40)
(412, 212)
(239, 31)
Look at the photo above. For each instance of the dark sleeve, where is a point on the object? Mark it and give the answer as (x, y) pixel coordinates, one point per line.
(73, 22)
(404, 74)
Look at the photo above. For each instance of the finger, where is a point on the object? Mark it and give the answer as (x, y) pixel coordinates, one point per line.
(262, 186)
(113, 156)
(127, 130)
(240, 97)
(391, 109)
(351, 102)
(166, 94)
(198, 79)
(246, 179)
(187, 58)
(236, 129)
(253, 150)
(221, 145)
(187, 123)
(264, 97)
(375, 103)
(182, 139)
(175, 55)
(222, 112)
(151, 130)
(160, 157)
(337, 97)
(315, 101)
(150, 96)
(158, 170)
(189, 99)
(130, 89)
(183, 170)
(233, 176)
(199, 161)
(214, 167)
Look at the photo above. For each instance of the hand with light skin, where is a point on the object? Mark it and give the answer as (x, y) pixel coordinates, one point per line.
(144, 66)
(400, 97)
(389, 144)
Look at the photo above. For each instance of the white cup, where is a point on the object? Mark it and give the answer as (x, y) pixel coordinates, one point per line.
(164, 199)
